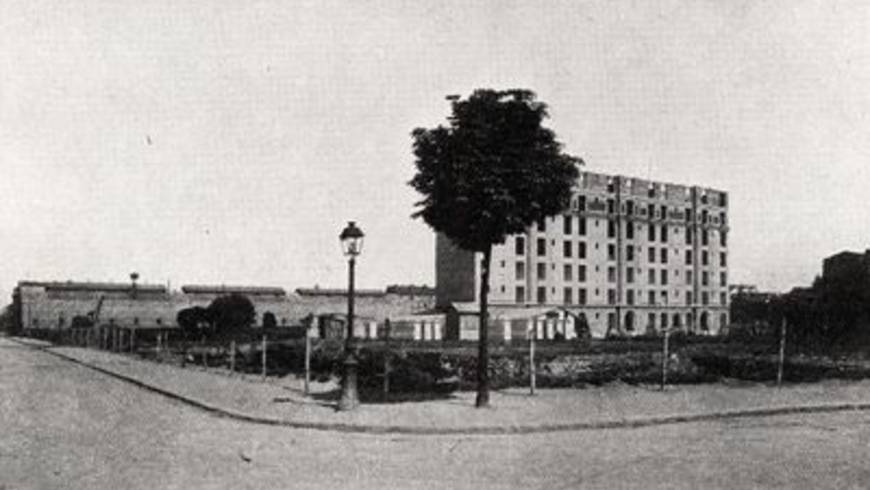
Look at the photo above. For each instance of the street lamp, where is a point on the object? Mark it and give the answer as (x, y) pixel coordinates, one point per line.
(351, 243)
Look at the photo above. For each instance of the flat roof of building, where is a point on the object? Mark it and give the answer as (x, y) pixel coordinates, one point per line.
(224, 289)
(93, 286)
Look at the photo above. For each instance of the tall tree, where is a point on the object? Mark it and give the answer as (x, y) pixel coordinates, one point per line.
(493, 171)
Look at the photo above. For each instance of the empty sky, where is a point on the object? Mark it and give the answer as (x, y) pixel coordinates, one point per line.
(229, 142)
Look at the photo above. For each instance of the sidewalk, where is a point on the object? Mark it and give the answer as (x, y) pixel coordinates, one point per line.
(280, 401)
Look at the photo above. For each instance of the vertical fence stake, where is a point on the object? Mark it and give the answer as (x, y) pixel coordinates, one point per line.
(387, 367)
(264, 357)
(665, 355)
(779, 369)
(232, 356)
(307, 358)
(532, 375)
(133, 340)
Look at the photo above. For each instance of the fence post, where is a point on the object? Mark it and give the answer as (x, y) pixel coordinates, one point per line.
(133, 340)
(532, 375)
(782, 331)
(232, 356)
(264, 357)
(307, 357)
(665, 355)
(387, 366)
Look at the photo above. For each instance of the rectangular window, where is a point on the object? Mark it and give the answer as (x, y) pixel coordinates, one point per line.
(629, 208)
(723, 299)
(664, 276)
(629, 275)
(542, 247)
(704, 237)
(651, 232)
(568, 296)
(611, 206)
(664, 317)
(520, 245)
(629, 230)
(542, 271)
(688, 215)
(581, 226)
(688, 236)
(581, 296)
(611, 228)
(722, 259)
(689, 298)
(651, 279)
(581, 273)
(520, 295)
(705, 298)
(542, 295)
(568, 272)
(651, 255)
(651, 320)
(567, 223)
(650, 297)
(611, 251)
(581, 250)
(705, 257)
(689, 276)
(567, 248)
(664, 211)
(664, 234)
(611, 296)
(723, 279)
(581, 203)
(664, 297)
(688, 257)
(705, 278)
(664, 256)
(521, 271)
(723, 240)
(629, 297)
(651, 210)
(611, 274)
(629, 253)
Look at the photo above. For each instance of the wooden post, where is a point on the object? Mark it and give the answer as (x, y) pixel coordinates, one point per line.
(387, 366)
(307, 358)
(232, 356)
(133, 340)
(782, 331)
(532, 374)
(104, 343)
(665, 354)
(264, 357)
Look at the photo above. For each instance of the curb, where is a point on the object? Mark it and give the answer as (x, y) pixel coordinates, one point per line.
(483, 430)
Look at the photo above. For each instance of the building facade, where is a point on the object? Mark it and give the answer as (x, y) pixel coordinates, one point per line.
(629, 256)
(52, 305)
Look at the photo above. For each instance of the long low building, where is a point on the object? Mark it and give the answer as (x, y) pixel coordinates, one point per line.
(50, 305)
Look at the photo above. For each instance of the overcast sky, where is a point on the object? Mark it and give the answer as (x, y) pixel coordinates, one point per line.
(229, 142)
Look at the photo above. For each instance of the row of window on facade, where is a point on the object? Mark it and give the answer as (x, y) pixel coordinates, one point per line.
(632, 297)
(568, 229)
(676, 320)
(651, 211)
(630, 274)
(568, 252)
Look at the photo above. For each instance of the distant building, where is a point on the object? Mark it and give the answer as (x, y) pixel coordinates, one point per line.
(51, 305)
(629, 256)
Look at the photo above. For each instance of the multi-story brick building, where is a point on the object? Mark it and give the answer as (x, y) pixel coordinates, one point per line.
(629, 255)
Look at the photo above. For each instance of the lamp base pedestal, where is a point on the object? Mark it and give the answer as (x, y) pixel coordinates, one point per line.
(349, 392)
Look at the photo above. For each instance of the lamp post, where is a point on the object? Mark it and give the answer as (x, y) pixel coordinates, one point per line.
(351, 243)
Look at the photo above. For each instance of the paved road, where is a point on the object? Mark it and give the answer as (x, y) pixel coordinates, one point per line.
(64, 426)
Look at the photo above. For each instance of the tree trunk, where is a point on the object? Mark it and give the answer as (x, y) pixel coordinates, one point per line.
(483, 342)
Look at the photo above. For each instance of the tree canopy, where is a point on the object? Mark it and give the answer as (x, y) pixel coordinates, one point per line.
(232, 311)
(493, 170)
